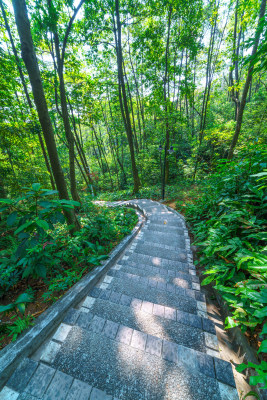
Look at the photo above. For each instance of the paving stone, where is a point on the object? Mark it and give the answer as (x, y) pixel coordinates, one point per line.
(205, 364)
(125, 300)
(105, 294)
(211, 341)
(208, 326)
(111, 329)
(99, 395)
(79, 391)
(224, 372)
(27, 396)
(154, 345)
(50, 352)
(170, 313)
(159, 310)
(71, 316)
(95, 292)
(88, 302)
(170, 351)
(20, 378)
(199, 296)
(62, 332)
(115, 297)
(40, 380)
(58, 387)
(97, 324)
(124, 334)
(188, 319)
(136, 304)
(228, 392)
(84, 319)
(8, 394)
(147, 307)
(138, 340)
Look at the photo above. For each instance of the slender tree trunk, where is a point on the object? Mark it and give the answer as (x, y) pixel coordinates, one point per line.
(26, 93)
(123, 98)
(248, 81)
(30, 60)
(166, 98)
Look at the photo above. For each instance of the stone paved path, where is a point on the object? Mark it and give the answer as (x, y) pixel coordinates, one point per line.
(142, 334)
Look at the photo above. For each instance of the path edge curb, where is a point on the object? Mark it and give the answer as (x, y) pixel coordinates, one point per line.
(13, 353)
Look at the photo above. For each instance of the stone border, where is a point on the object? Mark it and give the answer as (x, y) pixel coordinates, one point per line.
(13, 353)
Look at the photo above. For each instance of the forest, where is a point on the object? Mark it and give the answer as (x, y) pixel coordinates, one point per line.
(119, 99)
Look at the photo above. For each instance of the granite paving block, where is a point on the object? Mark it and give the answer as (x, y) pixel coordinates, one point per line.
(62, 332)
(138, 340)
(111, 329)
(8, 394)
(224, 372)
(20, 378)
(99, 395)
(79, 391)
(124, 334)
(50, 352)
(84, 319)
(40, 380)
(170, 351)
(58, 387)
(27, 396)
(97, 324)
(208, 326)
(71, 316)
(154, 345)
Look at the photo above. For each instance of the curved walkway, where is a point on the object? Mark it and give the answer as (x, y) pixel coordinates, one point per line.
(143, 332)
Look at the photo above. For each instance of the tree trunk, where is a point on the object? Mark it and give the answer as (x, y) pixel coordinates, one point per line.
(248, 81)
(123, 100)
(30, 60)
(27, 93)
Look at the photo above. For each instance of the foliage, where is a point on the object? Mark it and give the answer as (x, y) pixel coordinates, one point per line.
(19, 304)
(19, 325)
(229, 227)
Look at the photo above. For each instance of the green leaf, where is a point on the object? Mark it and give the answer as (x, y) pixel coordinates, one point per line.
(230, 323)
(251, 393)
(6, 201)
(21, 307)
(12, 218)
(36, 187)
(49, 192)
(24, 298)
(24, 226)
(42, 224)
(241, 367)
(6, 308)
(263, 347)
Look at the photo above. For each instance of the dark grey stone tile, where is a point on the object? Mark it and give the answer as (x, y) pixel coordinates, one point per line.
(84, 319)
(96, 292)
(125, 300)
(124, 334)
(20, 378)
(224, 371)
(208, 326)
(170, 351)
(97, 324)
(115, 297)
(71, 316)
(111, 329)
(154, 345)
(40, 380)
(105, 295)
(79, 391)
(58, 387)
